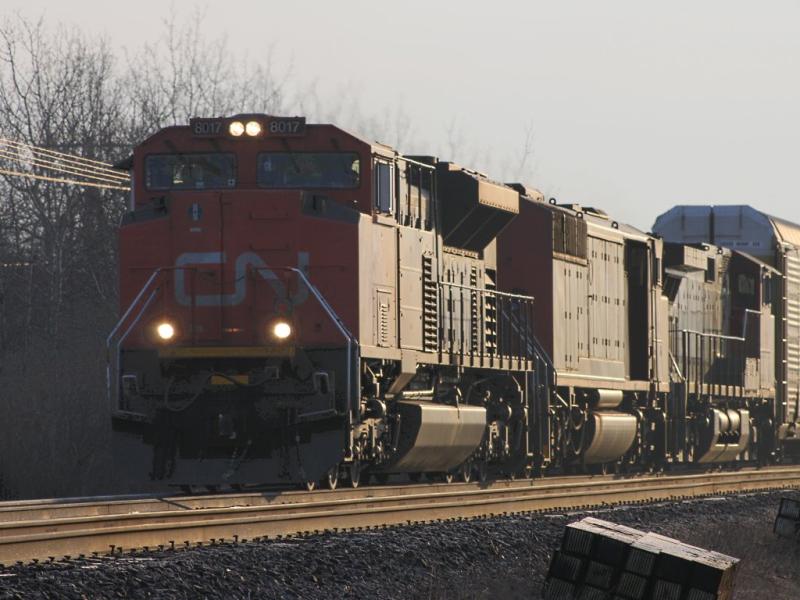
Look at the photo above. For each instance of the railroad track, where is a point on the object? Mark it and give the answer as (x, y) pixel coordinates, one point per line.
(53, 529)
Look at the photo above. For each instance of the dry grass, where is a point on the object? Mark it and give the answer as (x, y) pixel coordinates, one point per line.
(56, 422)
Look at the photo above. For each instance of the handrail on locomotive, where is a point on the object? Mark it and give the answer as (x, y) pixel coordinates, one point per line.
(114, 343)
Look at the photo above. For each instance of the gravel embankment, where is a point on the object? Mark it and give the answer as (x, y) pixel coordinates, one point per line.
(503, 557)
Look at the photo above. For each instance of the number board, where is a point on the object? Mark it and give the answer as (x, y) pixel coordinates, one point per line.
(273, 126)
(207, 127)
(286, 126)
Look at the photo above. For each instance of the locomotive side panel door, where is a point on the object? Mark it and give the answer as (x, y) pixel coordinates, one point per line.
(597, 281)
(616, 301)
(767, 335)
(377, 286)
(561, 323)
(660, 312)
(581, 308)
(413, 246)
(636, 265)
(572, 315)
(791, 303)
(569, 288)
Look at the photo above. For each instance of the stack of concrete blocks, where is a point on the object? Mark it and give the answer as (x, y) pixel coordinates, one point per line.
(787, 523)
(599, 560)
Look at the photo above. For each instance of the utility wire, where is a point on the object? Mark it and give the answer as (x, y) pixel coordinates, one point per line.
(24, 155)
(12, 156)
(88, 163)
(56, 153)
(63, 180)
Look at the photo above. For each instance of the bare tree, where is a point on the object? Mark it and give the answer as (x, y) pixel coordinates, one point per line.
(184, 75)
(454, 140)
(58, 90)
(525, 160)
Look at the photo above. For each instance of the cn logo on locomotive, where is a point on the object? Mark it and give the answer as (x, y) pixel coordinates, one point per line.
(243, 262)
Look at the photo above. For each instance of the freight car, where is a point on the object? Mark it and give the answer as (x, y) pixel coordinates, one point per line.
(770, 298)
(300, 305)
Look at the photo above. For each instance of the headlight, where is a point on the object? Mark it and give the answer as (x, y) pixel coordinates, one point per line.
(281, 330)
(253, 128)
(236, 128)
(165, 330)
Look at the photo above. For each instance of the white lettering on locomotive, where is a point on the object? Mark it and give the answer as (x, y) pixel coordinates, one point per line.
(243, 262)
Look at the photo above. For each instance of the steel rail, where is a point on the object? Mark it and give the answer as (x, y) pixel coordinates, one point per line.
(199, 520)
(52, 508)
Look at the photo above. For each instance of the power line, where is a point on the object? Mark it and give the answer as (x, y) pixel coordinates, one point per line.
(56, 153)
(63, 180)
(69, 170)
(15, 265)
(101, 167)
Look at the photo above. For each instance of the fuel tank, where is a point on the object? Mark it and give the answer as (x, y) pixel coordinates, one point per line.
(728, 435)
(436, 437)
(612, 434)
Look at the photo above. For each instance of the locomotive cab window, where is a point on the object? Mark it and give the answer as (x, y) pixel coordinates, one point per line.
(326, 170)
(383, 187)
(190, 171)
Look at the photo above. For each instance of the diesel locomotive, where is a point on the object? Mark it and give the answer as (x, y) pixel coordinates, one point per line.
(299, 306)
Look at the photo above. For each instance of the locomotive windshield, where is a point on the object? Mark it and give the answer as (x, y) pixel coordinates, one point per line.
(308, 169)
(189, 171)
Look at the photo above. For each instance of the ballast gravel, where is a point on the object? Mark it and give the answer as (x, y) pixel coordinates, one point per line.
(500, 557)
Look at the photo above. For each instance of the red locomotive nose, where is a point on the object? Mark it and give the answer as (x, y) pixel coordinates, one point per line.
(231, 269)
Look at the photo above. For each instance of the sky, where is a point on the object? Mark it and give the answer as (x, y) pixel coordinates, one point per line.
(633, 106)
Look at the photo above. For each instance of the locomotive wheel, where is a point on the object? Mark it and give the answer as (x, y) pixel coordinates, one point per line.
(382, 478)
(331, 480)
(414, 477)
(523, 472)
(354, 470)
(309, 485)
(448, 477)
(465, 472)
(483, 472)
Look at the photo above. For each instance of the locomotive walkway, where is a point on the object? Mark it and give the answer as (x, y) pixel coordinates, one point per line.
(51, 529)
